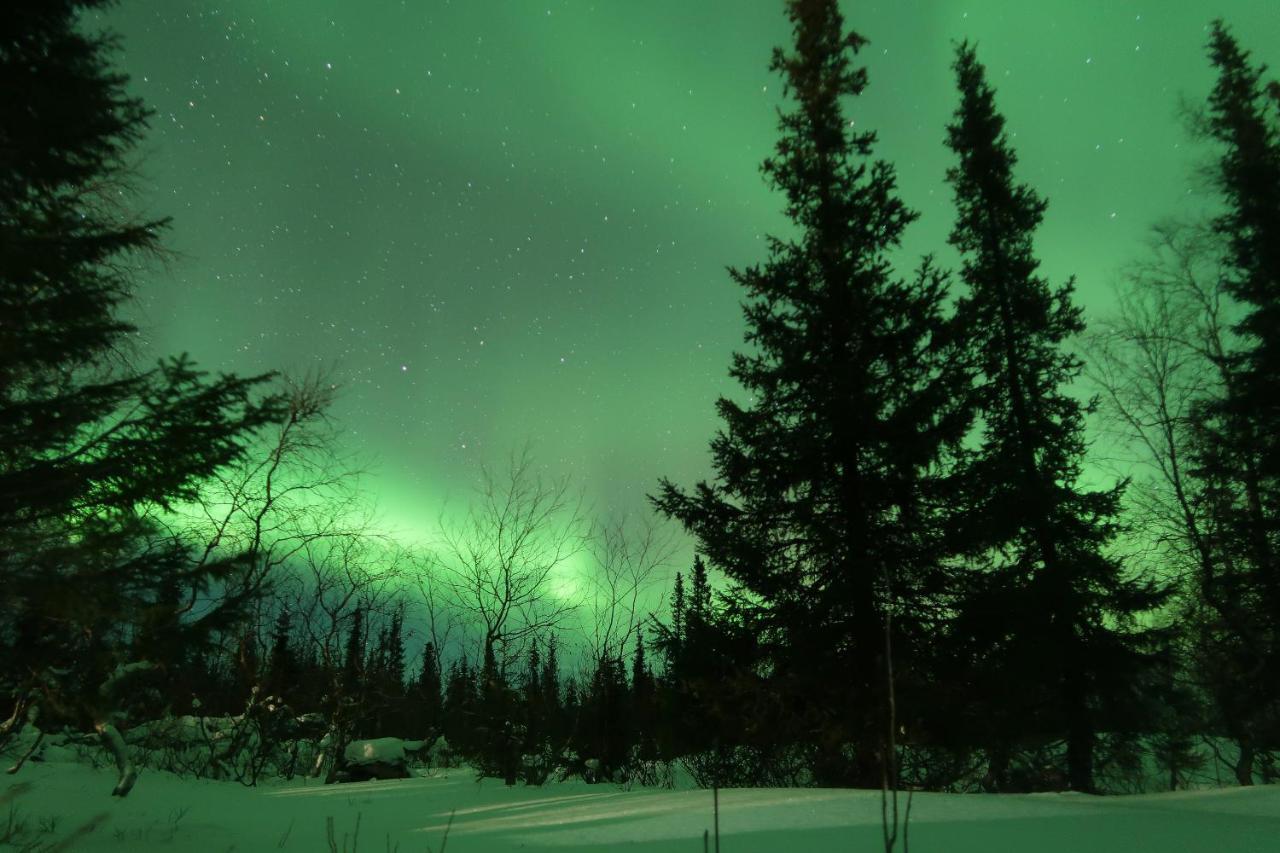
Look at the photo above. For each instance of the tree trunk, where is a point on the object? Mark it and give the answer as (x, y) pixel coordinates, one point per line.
(994, 780)
(1244, 766)
(111, 739)
(1080, 734)
(1080, 760)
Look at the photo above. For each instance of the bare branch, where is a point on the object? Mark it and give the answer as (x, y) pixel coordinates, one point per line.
(499, 562)
(625, 559)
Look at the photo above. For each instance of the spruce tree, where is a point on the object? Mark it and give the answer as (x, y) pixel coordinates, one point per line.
(677, 610)
(393, 660)
(604, 722)
(700, 589)
(643, 701)
(161, 637)
(353, 662)
(248, 662)
(460, 706)
(531, 694)
(1236, 440)
(533, 670)
(428, 692)
(92, 449)
(385, 680)
(1044, 620)
(282, 666)
(495, 709)
(825, 504)
(549, 681)
(671, 701)
(550, 678)
(570, 713)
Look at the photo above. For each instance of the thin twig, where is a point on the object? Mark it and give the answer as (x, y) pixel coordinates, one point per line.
(84, 829)
(445, 840)
(715, 794)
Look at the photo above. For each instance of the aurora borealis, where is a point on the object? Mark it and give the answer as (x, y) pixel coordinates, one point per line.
(500, 221)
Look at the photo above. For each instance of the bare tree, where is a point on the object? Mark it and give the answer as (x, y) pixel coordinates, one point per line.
(296, 490)
(1164, 354)
(294, 493)
(625, 557)
(249, 520)
(1164, 351)
(340, 576)
(500, 560)
(440, 611)
(890, 761)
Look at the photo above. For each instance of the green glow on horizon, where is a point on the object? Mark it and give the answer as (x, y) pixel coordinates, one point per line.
(510, 221)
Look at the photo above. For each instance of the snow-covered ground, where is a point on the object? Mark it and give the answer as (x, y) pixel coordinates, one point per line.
(172, 814)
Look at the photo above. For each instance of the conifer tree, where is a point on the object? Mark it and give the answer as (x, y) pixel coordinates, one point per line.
(495, 709)
(384, 679)
(532, 695)
(428, 691)
(248, 663)
(677, 612)
(643, 701)
(671, 700)
(700, 589)
(162, 638)
(1044, 619)
(604, 719)
(570, 711)
(550, 678)
(640, 674)
(90, 446)
(309, 690)
(353, 663)
(1236, 436)
(375, 662)
(460, 706)
(282, 665)
(393, 661)
(552, 708)
(492, 687)
(533, 670)
(824, 498)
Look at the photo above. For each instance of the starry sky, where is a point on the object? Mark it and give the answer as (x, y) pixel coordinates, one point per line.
(500, 221)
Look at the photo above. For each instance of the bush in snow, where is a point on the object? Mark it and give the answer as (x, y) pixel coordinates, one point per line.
(379, 758)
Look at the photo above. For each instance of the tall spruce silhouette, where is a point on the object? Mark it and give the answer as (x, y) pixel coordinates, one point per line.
(428, 692)
(90, 446)
(1236, 436)
(1042, 619)
(825, 484)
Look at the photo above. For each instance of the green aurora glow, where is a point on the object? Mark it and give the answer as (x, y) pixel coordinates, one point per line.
(505, 220)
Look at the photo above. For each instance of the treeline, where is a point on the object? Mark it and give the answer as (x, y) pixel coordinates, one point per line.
(610, 717)
(919, 587)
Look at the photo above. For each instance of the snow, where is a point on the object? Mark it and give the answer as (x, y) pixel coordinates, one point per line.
(388, 750)
(168, 813)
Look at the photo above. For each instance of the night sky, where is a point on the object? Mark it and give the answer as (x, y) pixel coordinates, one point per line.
(509, 221)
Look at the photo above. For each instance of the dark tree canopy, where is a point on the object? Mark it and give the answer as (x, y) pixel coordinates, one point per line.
(1235, 450)
(826, 486)
(1051, 583)
(92, 450)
